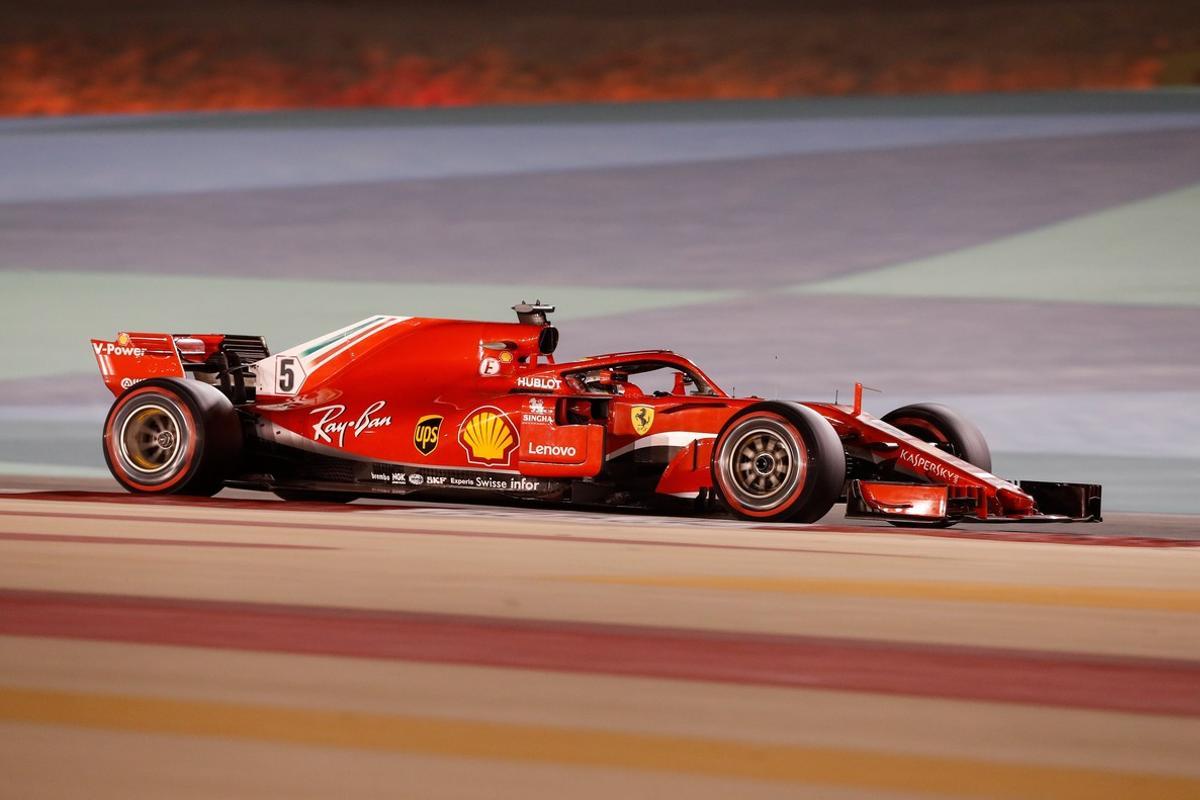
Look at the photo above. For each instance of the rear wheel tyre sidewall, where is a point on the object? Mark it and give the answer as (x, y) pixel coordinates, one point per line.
(202, 422)
(816, 468)
(945, 427)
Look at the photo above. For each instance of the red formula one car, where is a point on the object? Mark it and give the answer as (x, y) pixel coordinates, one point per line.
(395, 406)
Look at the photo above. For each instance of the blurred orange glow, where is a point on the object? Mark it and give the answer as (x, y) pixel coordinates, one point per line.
(79, 56)
(58, 78)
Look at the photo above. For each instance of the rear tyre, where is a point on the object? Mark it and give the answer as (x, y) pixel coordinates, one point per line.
(172, 436)
(778, 462)
(946, 428)
(313, 496)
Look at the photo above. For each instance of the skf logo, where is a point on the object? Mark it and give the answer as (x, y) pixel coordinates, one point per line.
(488, 437)
(425, 434)
(642, 418)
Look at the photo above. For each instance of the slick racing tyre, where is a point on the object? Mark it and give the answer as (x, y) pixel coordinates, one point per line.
(778, 462)
(950, 431)
(172, 436)
(946, 428)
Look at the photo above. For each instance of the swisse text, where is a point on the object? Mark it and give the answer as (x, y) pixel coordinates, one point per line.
(515, 484)
(330, 425)
(928, 466)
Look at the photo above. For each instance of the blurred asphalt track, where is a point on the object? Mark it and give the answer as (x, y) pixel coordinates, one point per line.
(1028, 259)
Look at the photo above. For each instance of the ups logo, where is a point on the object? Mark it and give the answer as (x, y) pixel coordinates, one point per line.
(425, 435)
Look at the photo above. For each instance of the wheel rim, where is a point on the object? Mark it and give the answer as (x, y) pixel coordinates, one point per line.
(151, 441)
(761, 464)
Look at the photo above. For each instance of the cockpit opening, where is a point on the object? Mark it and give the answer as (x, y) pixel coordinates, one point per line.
(641, 379)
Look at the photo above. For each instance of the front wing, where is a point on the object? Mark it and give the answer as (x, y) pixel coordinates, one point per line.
(932, 503)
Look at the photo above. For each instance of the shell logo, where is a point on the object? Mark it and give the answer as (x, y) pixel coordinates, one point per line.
(488, 437)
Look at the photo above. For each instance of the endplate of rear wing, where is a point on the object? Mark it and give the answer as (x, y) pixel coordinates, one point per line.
(219, 358)
(934, 503)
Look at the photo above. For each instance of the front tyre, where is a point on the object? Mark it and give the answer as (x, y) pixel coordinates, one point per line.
(172, 436)
(945, 428)
(948, 430)
(779, 462)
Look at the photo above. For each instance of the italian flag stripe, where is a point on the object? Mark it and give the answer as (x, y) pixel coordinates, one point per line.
(337, 337)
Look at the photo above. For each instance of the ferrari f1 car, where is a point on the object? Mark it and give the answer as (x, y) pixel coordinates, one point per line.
(398, 406)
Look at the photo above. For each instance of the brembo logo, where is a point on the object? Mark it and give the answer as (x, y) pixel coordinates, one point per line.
(928, 466)
(114, 349)
(330, 424)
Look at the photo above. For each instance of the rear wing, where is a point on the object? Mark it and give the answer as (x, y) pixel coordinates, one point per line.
(224, 360)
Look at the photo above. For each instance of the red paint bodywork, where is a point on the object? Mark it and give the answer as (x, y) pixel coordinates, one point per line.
(502, 406)
(136, 356)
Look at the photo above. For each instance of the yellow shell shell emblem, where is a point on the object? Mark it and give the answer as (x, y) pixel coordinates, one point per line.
(488, 437)
(642, 418)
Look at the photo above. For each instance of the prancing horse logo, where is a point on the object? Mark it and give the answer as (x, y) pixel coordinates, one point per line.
(642, 418)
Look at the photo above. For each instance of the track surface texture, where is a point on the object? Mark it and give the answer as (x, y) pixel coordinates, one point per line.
(247, 647)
